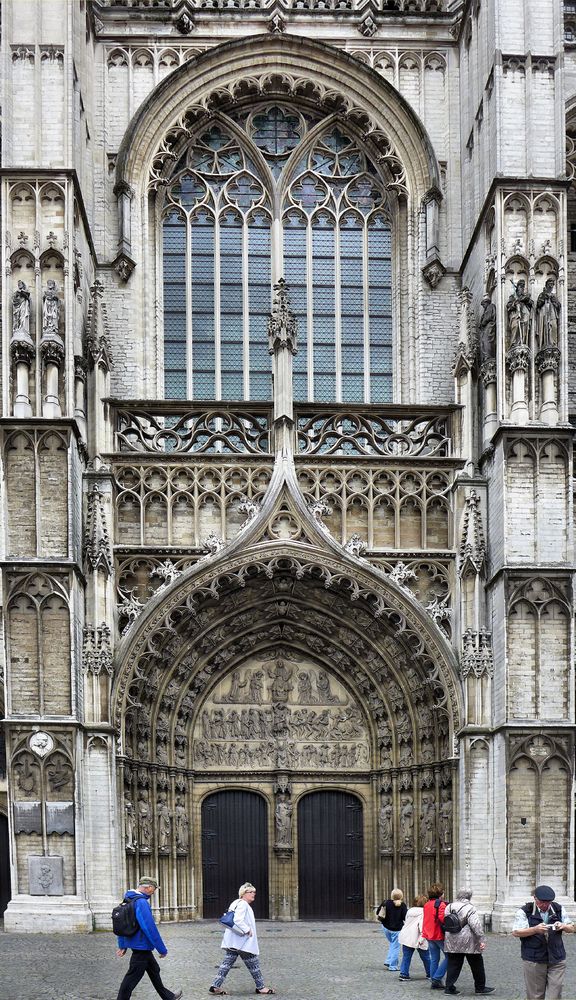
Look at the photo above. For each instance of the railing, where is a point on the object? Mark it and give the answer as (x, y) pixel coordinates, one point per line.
(212, 429)
(386, 431)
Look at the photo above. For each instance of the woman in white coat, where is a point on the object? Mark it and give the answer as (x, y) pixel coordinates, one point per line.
(241, 940)
(411, 939)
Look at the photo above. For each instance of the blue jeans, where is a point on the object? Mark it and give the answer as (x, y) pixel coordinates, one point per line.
(438, 960)
(407, 958)
(393, 950)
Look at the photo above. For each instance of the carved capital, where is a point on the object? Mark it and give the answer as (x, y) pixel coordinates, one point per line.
(488, 373)
(22, 350)
(52, 350)
(433, 272)
(548, 360)
(518, 358)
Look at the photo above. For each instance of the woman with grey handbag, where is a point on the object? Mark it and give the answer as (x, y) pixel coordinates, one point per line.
(241, 940)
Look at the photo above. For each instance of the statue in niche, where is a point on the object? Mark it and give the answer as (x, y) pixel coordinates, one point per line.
(487, 328)
(428, 823)
(385, 823)
(304, 687)
(281, 678)
(547, 316)
(283, 817)
(519, 311)
(144, 822)
(256, 687)
(406, 823)
(445, 820)
(129, 828)
(21, 313)
(182, 826)
(325, 696)
(164, 823)
(51, 311)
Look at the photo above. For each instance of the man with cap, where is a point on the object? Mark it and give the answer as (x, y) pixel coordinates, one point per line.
(142, 943)
(540, 925)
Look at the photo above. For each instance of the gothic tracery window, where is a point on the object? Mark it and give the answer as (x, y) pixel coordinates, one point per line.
(272, 193)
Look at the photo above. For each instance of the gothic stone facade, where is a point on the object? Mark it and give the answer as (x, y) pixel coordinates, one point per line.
(282, 597)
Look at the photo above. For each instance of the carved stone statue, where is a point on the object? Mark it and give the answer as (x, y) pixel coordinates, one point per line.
(519, 311)
(325, 696)
(283, 817)
(304, 687)
(129, 827)
(182, 827)
(144, 822)
(256, 687)
(547, 316)
(385, 823)
(428, 823)
(51, 311)
(406, 823)
(281, 686)
(446, 820)
(487, 329)
(21, 313)
(164, 823)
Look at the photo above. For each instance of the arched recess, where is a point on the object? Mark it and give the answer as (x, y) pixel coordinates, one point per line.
(330, 856)
(234, 849)
(312, 77)
(279, 670)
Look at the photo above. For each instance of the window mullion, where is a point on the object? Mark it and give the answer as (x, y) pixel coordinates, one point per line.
(310, 307)
(366, 309)
(337, 311)
(217, 307)
(245, 310)
(189, 328)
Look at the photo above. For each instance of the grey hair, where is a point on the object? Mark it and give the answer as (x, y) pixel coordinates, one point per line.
(464, 893)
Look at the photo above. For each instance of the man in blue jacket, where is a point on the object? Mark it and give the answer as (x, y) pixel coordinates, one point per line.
(142, 944)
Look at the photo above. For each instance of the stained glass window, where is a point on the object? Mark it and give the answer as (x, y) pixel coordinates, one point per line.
(241, 176)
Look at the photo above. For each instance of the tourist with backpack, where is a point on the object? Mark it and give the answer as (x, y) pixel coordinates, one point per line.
(540, 924)
(134, 925)
(464, 939)
(432, 932)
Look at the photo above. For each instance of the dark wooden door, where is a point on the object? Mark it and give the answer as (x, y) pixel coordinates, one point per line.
(4, 864)
(330, 857)
(234, 850)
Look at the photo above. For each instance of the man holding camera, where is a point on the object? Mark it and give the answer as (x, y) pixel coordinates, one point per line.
(540, 925)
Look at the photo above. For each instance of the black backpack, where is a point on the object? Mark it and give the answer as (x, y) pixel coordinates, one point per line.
(124, 923)
(451, 923)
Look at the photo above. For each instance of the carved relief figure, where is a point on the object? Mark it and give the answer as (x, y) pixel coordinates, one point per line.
(325, 696)
(164, 823)
(281, 677)
(487, 328)
(256, 687)
(386, 824)
(182, 827)
(50, 310)
(144, 822)
(406, 823)
(519, 311)
(283, 817)
(304, 687)
(547, 316)
(21, 312)
(428, 823)
(445, 820)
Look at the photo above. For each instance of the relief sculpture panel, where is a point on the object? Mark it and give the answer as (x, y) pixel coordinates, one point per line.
(277, 712)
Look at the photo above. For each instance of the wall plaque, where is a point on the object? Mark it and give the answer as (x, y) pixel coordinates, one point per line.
(27, 817)
(60, 817)
(46, 875)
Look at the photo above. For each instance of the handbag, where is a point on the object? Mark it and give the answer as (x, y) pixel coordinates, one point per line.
(227, 918)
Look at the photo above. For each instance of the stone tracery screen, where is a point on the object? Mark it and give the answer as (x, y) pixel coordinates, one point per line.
(274, 169)
(272, 713)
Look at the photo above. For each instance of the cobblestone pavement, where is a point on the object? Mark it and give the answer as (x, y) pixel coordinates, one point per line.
(303, 961)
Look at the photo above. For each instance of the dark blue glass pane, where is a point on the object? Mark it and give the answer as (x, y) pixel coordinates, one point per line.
(276, 131)
(204, 385)
(260, 386)
(324, 388)
(352, 388)
(175, 384)
(232, 387)
(381, 389)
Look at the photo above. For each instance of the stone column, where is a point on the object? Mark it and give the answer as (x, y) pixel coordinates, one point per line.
(52, 349)
(22, 351)
(517, 362)
(548, 366)
(488, 376)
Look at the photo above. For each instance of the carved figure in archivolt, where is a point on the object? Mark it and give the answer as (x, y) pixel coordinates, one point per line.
(21, 312)
(283, 818)
(547, 316)
(144, 822)
(385, 823)
(182, 826)
(445, 820)
(519, 311)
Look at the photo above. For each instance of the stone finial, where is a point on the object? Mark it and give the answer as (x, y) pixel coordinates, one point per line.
(282, 323)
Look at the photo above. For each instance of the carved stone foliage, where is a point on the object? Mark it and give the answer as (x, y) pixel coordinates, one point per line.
(180, 505)
(170, 431)
(387, 507)
(275, 713)
(97, 548)
(356, 433)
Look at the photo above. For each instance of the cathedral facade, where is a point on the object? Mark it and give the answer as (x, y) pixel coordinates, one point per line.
(288, 370)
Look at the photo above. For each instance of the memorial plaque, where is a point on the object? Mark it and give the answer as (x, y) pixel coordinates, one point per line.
(27, 817)
(46, 875)
(60, 817)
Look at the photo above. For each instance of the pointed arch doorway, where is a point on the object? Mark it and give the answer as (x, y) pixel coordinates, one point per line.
(234, 849)
(330, 856)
